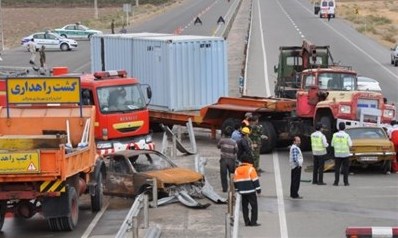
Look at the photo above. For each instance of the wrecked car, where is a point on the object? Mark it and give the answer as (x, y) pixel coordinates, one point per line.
(128, 173)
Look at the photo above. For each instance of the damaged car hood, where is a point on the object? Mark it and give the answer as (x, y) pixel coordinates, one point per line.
(175, 176)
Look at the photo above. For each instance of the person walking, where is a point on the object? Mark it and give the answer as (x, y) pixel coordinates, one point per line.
(245, 144)
(229, 150)
(32, 50)
(318, 145)
(256, 136)
(113, 26)
(341, 142)
(42, 56)
(247, 185)
(296, 162)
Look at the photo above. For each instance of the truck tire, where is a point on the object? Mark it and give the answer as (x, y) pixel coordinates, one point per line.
(3, 210)
(327, 126)
(228, 126)
(67, 223)
(268, 145)
(98, 198)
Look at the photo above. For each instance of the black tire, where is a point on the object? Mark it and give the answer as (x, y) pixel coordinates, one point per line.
(64, 47)
(228, 126)
(64, 36)
(67, 223)
(3, 210)
(327, 126)
(98, 198)
(267, 146)
(387, 166)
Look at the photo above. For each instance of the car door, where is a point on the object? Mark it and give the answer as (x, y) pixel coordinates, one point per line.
(119, 176)
(39, 40)
(70, 31)
(52, 41)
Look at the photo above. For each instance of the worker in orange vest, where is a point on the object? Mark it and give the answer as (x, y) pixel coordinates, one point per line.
(247, 185)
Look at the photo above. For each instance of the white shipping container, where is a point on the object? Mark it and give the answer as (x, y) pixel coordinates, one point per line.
(184, 72)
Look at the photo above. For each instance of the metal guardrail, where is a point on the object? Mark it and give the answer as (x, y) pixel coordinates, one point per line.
(130, 223)
(228, 26)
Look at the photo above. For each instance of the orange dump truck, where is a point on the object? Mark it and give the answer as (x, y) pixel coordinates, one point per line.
(47, 152)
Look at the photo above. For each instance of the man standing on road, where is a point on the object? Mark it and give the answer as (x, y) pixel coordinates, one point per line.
(296, 162)
(256, 136)
(229, 149)
(247, 185)
(245, 122)
(42, 55)
(113, 26)
(319, 145)
(245, 144)
(32, 50)
(341, 142)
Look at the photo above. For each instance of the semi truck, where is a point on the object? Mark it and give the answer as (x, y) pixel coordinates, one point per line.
(116, 128)
(47, 152)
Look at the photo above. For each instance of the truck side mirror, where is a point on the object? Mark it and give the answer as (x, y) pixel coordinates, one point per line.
(149, 92)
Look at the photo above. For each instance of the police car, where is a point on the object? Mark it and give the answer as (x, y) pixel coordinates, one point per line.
(76, 31)
(50, 40)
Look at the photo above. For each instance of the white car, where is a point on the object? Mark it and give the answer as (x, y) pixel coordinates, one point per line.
(368, 84)
(77, 31)
(394, 55)
(50, 40)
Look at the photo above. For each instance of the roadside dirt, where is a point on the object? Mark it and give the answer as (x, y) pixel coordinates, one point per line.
(21, 22)
(377, 19)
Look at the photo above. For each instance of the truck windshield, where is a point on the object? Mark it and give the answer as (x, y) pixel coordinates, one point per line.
(337, 81)
(122, 98)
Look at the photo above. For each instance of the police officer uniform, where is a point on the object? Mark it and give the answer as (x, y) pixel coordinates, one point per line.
(341, 142)
(318, 145)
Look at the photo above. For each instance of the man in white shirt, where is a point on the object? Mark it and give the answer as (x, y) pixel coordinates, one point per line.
(296, 162)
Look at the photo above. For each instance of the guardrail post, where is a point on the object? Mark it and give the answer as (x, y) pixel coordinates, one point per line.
(146, 212)
(135, 227)
(154, 191)
(227, 225)
(236, 216)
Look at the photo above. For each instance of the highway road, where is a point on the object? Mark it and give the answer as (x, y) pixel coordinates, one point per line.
(325, 211)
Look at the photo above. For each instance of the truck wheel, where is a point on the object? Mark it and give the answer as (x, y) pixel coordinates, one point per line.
(3, 210)
(228, 126)
(327, 127)
(386, 166)
(67, 223)
(97, 199)
(268, 145)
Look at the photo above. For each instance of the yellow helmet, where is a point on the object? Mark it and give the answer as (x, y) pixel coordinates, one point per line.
(245, 130)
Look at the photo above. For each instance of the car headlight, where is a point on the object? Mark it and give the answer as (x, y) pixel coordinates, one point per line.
(388, 113)
(345, 109)
(104, 145)
(148, 139)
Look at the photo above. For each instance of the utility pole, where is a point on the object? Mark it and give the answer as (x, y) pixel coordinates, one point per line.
(1, 28)
(95, 9)
(137, 3)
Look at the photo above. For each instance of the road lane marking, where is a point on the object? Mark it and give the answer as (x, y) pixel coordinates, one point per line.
(94, 222)
(291, 20)
(267, 86)
(352, 43)
(83, 66)
(279, 194)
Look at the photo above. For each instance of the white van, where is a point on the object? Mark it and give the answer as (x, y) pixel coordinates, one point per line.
(327, 8)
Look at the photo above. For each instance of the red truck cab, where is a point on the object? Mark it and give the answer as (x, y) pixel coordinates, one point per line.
(122, 116)
(330, 96)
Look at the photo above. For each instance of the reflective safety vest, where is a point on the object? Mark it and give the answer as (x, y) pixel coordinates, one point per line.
(317, 144)
(340, 144)
(246, 180)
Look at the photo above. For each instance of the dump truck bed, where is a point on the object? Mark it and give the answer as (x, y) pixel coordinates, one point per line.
(32, 143)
